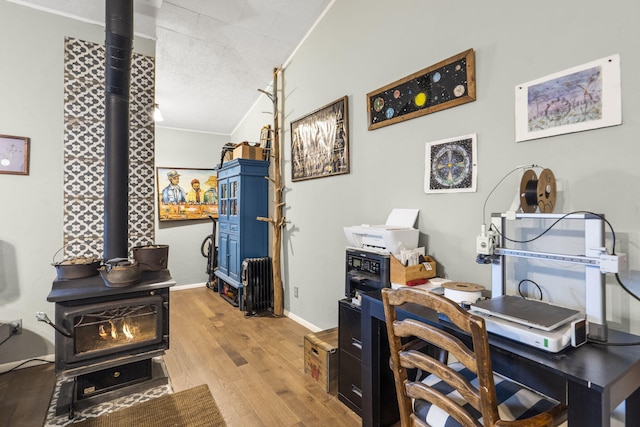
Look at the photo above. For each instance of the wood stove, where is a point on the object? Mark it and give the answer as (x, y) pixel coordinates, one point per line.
(107, 337)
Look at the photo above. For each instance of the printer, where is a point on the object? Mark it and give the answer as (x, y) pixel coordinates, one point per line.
(370, 247)
(396, 234)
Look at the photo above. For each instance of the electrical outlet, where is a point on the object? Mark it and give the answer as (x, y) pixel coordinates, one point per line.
(295, 291)
(16, 327)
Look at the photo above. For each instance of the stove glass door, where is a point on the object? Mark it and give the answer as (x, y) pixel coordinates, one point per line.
(111, 327)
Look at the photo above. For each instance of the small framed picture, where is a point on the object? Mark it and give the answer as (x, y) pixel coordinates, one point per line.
(451, 165)
(14, 155)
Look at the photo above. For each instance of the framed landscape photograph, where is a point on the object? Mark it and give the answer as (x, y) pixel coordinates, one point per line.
(320, 142)
(14, 155)
(443, 85)
(580, 98)
(186, 194)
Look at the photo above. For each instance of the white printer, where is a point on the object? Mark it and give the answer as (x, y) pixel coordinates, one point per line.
(396, 234)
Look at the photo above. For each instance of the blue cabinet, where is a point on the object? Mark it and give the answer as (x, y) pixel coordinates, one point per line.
(242, 198)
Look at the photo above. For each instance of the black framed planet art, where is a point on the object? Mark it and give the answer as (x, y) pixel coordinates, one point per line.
(444, 85)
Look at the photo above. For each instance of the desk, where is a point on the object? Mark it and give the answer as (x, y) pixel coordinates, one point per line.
(592, 379)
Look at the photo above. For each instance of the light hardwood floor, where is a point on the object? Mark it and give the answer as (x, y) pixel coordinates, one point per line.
(254, 367)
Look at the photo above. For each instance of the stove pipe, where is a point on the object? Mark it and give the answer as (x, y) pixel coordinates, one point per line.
(119, 47)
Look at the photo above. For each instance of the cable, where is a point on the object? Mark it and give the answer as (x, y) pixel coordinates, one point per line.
(614, 344)
(484, 207)
(528, 280)
(6, 339)
(206, 245)
(625, 288)
(24, 363)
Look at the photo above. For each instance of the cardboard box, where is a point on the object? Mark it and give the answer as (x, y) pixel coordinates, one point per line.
(401, 275)
(246, 151)
(321, 358)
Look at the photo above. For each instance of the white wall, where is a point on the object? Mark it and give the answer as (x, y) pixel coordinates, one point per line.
(31, 84)
(192, 150)
(361, 45)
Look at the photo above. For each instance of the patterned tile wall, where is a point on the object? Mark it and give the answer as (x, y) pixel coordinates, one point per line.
(84, 149)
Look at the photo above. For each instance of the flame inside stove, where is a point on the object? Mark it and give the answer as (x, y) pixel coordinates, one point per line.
(127, 331)
(113, 332)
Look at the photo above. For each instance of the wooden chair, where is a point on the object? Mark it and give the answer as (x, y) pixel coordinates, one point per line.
(464, 390)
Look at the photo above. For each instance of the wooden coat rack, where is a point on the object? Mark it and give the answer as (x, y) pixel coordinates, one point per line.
(277, 220)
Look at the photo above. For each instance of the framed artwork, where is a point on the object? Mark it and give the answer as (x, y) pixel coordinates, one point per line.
(444, 85)
(14, 155)
(320, 142)
(580, 98)
(185, 194)
(451, 165)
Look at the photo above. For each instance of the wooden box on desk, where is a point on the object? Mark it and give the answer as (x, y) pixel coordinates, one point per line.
(401, 275)
(321, 358)
(246, 151)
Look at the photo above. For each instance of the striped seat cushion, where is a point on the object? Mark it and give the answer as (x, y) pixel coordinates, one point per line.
(515, 401)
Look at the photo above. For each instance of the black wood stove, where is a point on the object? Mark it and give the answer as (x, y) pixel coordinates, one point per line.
(107, 337)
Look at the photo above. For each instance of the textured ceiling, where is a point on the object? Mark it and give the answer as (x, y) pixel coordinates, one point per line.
(212, 56)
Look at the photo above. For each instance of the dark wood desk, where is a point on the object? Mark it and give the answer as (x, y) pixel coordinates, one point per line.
(592, 379)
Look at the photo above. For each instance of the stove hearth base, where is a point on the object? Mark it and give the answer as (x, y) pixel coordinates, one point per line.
(87, 390)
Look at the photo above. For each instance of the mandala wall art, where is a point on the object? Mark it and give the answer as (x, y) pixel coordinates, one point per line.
(580, 98)
(444, 85)
(450, 165)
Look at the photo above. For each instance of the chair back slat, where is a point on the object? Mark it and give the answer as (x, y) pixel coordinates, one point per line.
(441, 339)
(454, 312)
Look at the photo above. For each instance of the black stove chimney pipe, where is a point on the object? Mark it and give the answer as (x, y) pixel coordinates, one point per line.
(119, 47)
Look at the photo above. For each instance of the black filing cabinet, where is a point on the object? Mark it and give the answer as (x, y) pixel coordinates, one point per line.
(350, 365)
(349, 356)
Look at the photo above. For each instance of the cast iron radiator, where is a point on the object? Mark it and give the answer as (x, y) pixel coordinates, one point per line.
(257, 281)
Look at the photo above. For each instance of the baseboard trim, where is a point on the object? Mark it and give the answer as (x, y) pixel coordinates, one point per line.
(301, 321)
(191, 286)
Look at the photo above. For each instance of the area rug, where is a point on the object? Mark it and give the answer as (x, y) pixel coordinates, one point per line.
(194, 407)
